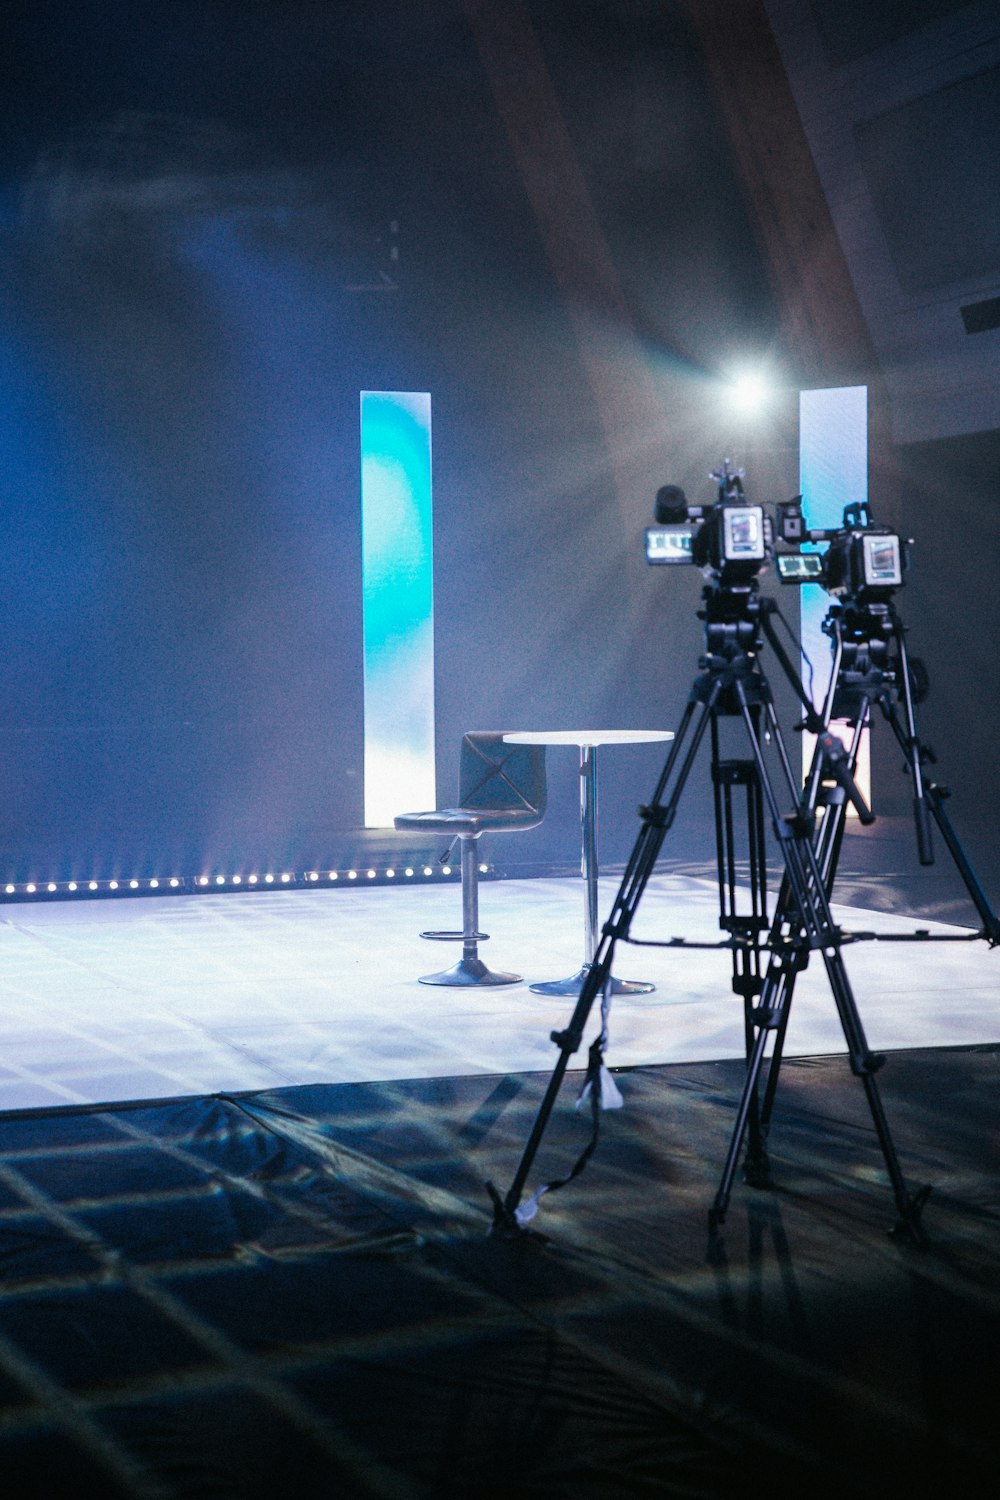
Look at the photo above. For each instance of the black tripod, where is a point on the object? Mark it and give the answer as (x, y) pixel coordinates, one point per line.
(732, 684)
(870, 666)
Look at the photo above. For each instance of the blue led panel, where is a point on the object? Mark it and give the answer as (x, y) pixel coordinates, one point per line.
(398, 604)
(833, 472)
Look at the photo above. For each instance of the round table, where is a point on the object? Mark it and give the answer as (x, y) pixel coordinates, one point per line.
(588, 741)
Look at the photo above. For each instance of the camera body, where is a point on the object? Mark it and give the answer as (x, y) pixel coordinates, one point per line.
(731, 541)
(863, 562)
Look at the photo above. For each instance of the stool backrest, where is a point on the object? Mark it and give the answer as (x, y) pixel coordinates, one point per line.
(492, 774)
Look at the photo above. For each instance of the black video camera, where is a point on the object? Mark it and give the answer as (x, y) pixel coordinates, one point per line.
(863, 562)
(731, 541)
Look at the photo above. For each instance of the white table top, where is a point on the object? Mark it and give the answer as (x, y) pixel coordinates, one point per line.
(588, 737)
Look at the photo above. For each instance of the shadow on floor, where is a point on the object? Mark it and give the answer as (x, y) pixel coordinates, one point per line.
(297, 1292)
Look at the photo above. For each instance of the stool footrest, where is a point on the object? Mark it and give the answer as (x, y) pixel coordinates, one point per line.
(456, 937)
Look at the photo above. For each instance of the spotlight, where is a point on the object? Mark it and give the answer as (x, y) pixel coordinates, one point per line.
(748, 392)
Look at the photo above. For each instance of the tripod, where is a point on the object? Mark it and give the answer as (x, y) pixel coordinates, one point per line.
(870, 665)
(733, 684)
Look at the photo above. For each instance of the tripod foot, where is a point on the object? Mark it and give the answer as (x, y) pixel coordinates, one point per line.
(506, 1225)
(908, 1226)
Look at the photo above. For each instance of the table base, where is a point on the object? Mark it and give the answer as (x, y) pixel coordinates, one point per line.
(573, 986)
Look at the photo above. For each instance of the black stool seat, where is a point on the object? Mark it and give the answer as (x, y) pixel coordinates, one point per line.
(468, 822)
(501, 790)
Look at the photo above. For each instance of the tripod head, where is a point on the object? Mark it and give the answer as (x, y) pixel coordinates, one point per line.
(873, 660)
(733, 615)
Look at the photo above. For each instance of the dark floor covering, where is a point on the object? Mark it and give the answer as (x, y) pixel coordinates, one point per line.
(297, 1293)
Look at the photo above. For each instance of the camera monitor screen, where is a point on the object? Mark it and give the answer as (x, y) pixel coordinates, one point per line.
(799, 567)
(743, 532)
(668, 544)
(882, 565)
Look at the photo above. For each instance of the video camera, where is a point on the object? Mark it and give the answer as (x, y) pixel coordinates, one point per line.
(733, 542)
(863, 562)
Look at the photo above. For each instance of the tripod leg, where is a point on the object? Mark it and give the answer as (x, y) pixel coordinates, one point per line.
(932, 796)
(789, 956)
(827, 843)
(991, 924)
(912, 747)
(657, 817)
(818, 931)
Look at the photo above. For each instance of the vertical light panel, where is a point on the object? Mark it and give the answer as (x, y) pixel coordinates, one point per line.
(833, 472)
(398, 604)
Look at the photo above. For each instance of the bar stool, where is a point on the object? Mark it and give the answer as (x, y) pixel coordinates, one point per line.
(502, 789)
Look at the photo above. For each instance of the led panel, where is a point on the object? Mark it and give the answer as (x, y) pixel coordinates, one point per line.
(398, 604)
(833, 472)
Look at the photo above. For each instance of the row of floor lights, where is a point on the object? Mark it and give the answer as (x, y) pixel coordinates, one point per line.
(88, 887)
(203, 882)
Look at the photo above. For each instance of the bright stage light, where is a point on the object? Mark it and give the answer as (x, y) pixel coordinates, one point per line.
(748, 392)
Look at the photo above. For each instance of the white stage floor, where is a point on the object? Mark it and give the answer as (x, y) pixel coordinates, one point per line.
(156, 997)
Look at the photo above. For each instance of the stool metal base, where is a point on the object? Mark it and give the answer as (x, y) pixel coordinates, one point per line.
(573, 986)
(469, 972)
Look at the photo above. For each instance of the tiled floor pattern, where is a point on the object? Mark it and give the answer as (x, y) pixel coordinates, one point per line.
(145, 998)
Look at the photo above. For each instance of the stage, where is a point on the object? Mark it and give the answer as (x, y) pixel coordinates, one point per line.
(144, 998)
(246, 1241)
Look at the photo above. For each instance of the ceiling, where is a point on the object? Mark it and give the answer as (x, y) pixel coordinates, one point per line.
(900, 103)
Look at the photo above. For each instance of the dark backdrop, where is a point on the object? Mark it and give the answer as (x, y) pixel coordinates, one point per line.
(220, 222)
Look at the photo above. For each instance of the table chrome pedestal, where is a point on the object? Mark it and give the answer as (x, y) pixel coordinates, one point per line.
(588, 741)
